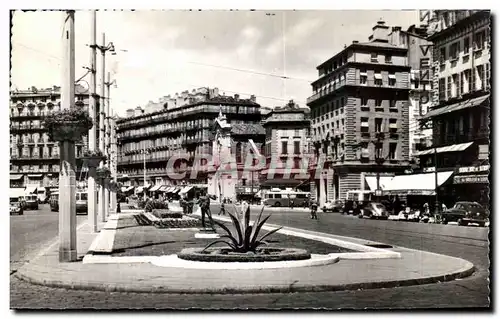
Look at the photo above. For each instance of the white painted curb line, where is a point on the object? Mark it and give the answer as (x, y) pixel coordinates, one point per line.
(172, 261)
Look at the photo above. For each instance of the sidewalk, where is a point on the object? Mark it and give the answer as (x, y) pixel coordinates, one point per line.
(414, 267)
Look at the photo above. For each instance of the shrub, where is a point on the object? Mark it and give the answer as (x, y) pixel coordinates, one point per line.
(246, 239)
(165, 213)
(155, 204)
(141, 204)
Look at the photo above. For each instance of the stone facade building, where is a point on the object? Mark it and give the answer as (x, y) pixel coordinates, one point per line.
(359, 113)
(460, 115)
(34, 158)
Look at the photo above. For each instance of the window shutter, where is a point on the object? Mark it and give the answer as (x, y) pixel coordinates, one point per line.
(473, 80)
(487, 77)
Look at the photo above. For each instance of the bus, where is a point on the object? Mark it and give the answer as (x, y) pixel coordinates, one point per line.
(282, 198)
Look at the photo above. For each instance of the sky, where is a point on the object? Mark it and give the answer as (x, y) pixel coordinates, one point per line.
(164, 52)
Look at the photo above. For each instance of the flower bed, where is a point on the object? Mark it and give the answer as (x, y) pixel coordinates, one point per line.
(165, 213)
(226, 255)
(184, 222)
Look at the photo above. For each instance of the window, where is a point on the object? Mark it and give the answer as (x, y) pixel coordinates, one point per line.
(364, 101)
(374, 57)
(454, 48)
(442, 55)
(297, 132)
(238, 152)
(392, 79)
(364, 124)
(378, 125)
(456, 85)
(392, 103)
(479, 40)
(378, 103)
(448, 89)
(363, 79)
(463, 78)
(379, 148)
(481, 74)
(296, 147)
(388, 58)
(466, 45)
(393, 126)
(487, 75)
(284, 146)
(392, 150)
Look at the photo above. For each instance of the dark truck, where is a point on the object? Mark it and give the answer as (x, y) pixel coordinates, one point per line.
(465, 213)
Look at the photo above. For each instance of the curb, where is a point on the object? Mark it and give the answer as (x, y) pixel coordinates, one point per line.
(465, 272)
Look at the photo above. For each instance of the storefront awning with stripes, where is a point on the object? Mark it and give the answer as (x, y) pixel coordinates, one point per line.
(423, 184)
(16, 177)
(155, 188)
(456, 106)
(446, 149)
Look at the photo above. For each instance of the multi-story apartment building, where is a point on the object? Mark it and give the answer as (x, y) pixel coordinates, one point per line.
(34, 158)
(419, 59)
(183, 131)
(360, 114)
(461, 103)
(286, 147)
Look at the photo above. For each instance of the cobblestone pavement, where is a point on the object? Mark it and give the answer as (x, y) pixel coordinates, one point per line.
(464, 242)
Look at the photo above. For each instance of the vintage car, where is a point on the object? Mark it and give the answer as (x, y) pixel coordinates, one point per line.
(15, 206)
(374, 210)
(333, 206)
(31, 201)
(465, 213)
(54, 201)
(81, 202)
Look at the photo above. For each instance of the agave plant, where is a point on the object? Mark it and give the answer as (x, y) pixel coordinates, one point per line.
(246, 239)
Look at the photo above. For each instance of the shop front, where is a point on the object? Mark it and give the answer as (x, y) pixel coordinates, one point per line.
(471, 184)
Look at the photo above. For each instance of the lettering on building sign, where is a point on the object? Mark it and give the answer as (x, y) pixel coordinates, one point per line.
(473, 169)
(470, 179)
(425, 70)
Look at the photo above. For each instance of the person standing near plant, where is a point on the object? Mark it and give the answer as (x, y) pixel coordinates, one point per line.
(222, 208)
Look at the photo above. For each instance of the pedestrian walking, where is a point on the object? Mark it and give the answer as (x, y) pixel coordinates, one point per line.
(314, 209)
(291, 204)
(222, 208)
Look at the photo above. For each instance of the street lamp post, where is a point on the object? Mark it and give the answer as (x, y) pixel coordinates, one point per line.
(144, 152)
(103, 207)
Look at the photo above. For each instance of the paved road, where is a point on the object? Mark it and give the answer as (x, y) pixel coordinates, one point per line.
(31, 232)
(465, 242)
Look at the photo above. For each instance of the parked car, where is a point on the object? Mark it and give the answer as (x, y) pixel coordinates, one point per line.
(333, 206)
(54, 202)
(31, 201)
(16, 206)
(465, 213)
(374, 210)
(81, 202)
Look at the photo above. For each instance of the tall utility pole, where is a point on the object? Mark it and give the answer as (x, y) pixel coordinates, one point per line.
(103, 209)
(92, 191)
(106, 144)
(102, 203)
(67, 179)
(113, 159)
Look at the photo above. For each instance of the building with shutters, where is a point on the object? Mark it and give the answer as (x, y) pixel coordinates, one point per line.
(174, 140)
(34, 158)
(359, 112)
(287, 148)
(460, 115)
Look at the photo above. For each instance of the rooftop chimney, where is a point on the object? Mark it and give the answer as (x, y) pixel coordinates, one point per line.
(252, 98)
(355, 41)
(236, 96)
(380, 33)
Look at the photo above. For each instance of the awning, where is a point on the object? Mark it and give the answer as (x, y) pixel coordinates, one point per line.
(139, 189)
(185, 190)
(124, 189)
(281, 182)
(128, 189)
(147, 186)
(164, 188)
(417, 182)
(16, 192)
(15, 177)
(35, 175)
(378, 76)
(455, 107)
(175, 190)
(155, 188)
(392, 76)
(30, 189)
(446, 149)
(372, 181)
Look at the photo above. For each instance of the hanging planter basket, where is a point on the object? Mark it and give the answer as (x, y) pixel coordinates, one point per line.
(94, 158)
(103, 173)
(68, 124)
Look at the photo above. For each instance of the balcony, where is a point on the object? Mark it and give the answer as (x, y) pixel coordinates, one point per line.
(327, 91)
